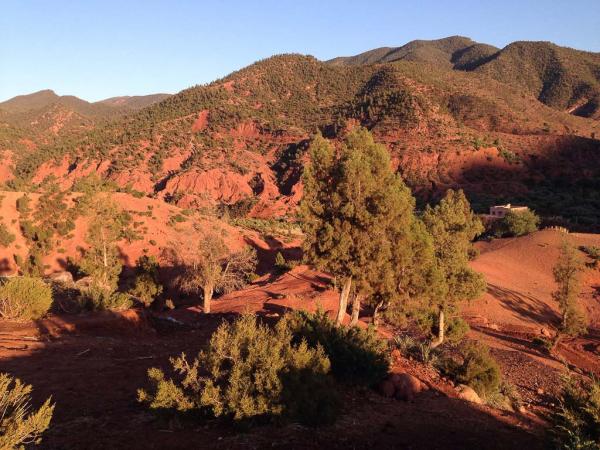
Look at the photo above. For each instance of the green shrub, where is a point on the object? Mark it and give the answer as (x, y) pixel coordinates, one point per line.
(96, 298)
(19, 424)
(357, 355)
(281, 265)
(249, 371)
(577, 418)
(25, 298)
(476, 368)
(6, 237)
(592, 252)
(543, 343)
(519, 223)
(146, 286)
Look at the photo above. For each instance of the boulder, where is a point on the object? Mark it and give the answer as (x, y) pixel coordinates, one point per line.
(84, 283)
(406, 386)
(386, 388)
(468, 394)
(61, 277)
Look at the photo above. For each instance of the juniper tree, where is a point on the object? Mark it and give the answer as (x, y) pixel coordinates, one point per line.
(453, 226)
(101, 260)
(208, 267)
(357, 216)
(566, 274)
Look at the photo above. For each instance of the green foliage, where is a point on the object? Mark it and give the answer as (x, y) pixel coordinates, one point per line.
(566, 273)
(358, 217)
(519, 223)
(20, 425)
(281, 265)
(208, 267)
(543, 343)
(453, 226)
(6, 237)
(593, 252)
(475, 368)
(146, 285)
(358, 356)
(249, 371)
(101, 260)
(576, 420)
(24, 298)
(509, 156)
(239, 209)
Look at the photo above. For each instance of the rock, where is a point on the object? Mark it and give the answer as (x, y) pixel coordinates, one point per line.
(84, 283)
(386, 388)
(540, 391)
(468, 394)
(494, 326)
(522, 409)
(61, 277)
(544, 332)
(407, 386)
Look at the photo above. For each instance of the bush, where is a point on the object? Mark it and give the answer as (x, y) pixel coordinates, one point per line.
(6, 237)
(249, 371)
(19, 424)
(519, 224)
(357, 355)
(96, 298)
(577, 418)
(281, 265)
(25, 298)
(146, 286)
(476, 368)
(593, 253)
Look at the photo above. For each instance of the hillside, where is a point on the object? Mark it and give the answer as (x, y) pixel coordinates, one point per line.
(563, 78)
(242, 140)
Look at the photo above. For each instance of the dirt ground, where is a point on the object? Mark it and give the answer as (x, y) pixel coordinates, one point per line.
(92, 365)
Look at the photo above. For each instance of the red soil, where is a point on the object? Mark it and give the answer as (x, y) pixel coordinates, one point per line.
(93, 364)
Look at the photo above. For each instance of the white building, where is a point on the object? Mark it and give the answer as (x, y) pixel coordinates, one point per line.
(499, 211)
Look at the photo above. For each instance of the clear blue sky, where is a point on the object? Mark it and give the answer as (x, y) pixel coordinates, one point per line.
(101, 48)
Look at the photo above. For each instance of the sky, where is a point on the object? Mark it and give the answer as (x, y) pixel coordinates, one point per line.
(96, 49)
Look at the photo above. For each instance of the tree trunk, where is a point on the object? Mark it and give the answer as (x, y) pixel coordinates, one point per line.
(440, 337)
(208, 294)
(355, 310)
(345, 292)
(376, 313)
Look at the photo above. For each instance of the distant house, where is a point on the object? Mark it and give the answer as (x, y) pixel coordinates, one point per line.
(499, 211)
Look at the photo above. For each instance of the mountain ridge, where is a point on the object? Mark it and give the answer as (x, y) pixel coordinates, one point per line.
(561, 77)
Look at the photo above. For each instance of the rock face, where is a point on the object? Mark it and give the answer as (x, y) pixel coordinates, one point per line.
(468, 394)
(402, 386)
(61, 277)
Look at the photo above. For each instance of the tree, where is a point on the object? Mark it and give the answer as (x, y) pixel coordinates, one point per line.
(101, 260)
(566, 274)
(357, 215)
(519, 223)
(453, 226)
(146, 286)
(20, 424)
(209, 267)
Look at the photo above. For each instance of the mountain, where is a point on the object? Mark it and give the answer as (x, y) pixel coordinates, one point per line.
(135, 101)
(452, 52)
(41, 100)
(240, 142)
(563, 78)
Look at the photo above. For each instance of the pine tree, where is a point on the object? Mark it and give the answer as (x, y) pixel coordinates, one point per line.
(453, 226)
(358, 217)
(566, 274)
